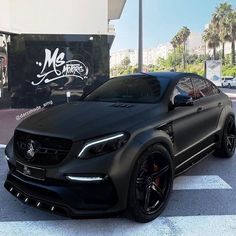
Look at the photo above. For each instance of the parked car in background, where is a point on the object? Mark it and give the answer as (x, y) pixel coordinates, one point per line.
(228, 81)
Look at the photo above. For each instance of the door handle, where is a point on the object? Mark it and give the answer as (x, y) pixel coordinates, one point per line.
(220, 104)
(199, 109)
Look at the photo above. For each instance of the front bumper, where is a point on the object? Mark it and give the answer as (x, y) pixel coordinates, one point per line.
(69, 199)
(73, 198)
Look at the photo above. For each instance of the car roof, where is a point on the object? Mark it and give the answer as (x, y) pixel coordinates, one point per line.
(169, 75)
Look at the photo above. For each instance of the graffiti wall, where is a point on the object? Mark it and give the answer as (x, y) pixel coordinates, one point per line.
(45, 68)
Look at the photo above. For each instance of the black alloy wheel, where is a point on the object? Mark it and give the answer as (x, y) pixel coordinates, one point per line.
(151, 184)
(230, 135)
(228, 142)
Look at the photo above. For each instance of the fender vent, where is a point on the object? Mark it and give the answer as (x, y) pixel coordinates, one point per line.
(168, 129)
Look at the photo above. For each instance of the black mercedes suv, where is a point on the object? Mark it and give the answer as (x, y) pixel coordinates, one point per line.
(120, 146)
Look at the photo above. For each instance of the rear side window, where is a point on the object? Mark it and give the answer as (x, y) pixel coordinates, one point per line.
(211, 89)
(203, 88)
(200, 88)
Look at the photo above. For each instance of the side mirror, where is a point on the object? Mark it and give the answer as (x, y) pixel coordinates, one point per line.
(183, 100)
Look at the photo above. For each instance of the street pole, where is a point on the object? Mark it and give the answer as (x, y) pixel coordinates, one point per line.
(205, 55)
(140, 47)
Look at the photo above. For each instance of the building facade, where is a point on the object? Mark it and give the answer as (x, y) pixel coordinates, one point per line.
(54, 49)
(150, 55)
(194, 46)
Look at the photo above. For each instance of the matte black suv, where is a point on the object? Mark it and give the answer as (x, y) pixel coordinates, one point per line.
(121, 146)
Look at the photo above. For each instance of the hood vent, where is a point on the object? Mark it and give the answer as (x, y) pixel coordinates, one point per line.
(122, 105)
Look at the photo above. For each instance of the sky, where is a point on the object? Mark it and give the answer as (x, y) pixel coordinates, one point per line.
(162, 20)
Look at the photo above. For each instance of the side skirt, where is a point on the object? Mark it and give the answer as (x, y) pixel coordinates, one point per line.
(195, 159)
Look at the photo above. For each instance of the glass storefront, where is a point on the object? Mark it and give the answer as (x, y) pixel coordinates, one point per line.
(45, 68)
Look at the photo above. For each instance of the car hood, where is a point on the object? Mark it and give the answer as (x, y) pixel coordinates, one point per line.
(83, 120)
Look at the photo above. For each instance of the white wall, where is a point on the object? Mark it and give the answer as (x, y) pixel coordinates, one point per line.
(4, 15)
(57, 16)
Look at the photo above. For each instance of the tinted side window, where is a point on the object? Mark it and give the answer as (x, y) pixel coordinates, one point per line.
(200, 88)
(211, 88)
(184, 87)
(203, 88)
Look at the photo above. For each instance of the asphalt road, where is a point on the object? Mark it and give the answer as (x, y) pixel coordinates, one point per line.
(194, 203)
(203, 203)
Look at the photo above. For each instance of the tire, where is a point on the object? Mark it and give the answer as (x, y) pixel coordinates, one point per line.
(229, 86)
(151, 184)
(227, 147)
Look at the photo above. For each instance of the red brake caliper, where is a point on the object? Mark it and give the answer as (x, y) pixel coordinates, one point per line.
(155, 169)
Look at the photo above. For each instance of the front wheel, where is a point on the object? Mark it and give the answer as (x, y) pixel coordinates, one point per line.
(151, 184)
(227, 147)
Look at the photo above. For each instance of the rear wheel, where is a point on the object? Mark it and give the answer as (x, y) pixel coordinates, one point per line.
(151, 184)
(228, 141)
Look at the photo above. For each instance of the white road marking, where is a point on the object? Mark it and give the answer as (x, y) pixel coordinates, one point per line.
(200, 182)
(2, 145)
(179, 225)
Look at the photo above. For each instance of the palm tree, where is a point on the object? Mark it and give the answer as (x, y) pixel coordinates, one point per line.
(178, 40)
(211, 37)
(231, 27)
(174, 43)
(219, 22)
(184, 34)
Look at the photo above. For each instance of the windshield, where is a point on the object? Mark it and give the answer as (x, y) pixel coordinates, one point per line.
(133, 89)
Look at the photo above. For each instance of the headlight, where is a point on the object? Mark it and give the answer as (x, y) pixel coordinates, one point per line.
(103, 145)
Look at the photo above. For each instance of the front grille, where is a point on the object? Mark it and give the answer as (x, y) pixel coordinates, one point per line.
(47, 150)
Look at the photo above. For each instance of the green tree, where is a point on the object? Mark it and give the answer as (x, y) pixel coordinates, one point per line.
(125, 62)
(174, 43)
(211, 37)
(231, 27)
(179, 42)
(219, 22)
(184, 34)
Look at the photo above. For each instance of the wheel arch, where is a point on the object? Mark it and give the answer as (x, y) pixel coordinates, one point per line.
(227, 111)
(162, 139)
(146, 140)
